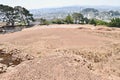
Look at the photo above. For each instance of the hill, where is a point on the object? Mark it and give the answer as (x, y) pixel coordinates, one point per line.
(61, 52)
(51, 13)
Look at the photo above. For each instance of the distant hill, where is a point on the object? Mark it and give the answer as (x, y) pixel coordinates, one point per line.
(51, 13)
(55, 12)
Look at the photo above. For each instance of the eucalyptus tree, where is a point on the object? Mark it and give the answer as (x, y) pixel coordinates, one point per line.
(14, 15)
(78, 18)
(8, 15)
(23, 15)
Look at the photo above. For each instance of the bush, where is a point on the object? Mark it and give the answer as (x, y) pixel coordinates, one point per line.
(44, 22)
(69, 19)
(100, 22)
(58, 21)
(115, 22)
(92, 22)
(97, 22)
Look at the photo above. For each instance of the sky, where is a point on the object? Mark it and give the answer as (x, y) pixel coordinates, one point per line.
(36, 4)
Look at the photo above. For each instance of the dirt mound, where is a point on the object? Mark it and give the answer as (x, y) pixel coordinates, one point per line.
(12, 58)
(54, 67)
(64, 52)
(104, 29)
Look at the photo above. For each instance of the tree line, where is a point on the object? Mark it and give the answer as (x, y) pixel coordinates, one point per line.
(75, 18)
(78, 18)
(21, 16)
(15, 15)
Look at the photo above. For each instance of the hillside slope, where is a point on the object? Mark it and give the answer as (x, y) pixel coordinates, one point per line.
(64, 52)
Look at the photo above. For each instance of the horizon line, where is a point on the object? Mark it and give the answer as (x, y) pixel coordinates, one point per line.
(78, 6)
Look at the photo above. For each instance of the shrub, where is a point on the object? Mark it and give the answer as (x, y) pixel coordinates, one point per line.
(115, 22)
(69, 19)
(97, 22)
(93, 22)
(44, 22)
(100, 22)
(58, 21)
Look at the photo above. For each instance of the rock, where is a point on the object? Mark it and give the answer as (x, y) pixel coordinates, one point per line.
(3, 68)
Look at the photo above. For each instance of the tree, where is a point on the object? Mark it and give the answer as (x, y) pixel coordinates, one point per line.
(28, 16)
(17, 14)
(86, 20)
(8, 14)
(68, 19)
(23, 15)
(78, 18)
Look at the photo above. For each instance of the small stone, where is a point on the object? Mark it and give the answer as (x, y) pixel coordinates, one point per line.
(3, 68)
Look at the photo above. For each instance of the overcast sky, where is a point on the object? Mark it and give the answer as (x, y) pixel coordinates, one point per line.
(35, 4)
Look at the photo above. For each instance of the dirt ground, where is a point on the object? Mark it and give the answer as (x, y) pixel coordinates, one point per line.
(64, 52)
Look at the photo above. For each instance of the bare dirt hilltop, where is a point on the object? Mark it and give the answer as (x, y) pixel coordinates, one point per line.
(61, 52)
